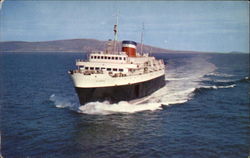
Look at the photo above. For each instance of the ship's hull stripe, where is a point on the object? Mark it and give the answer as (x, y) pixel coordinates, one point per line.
(129, 45)
(115, 94)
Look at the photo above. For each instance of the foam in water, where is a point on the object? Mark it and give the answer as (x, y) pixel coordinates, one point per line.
(181, 83)
(218, 87)
(220, 74)
(62, 102)
(121, 107)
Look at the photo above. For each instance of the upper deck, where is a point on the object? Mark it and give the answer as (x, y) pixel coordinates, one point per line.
(121, 57)
(120, 63)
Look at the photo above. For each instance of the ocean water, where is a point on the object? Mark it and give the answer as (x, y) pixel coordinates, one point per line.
(203, 111)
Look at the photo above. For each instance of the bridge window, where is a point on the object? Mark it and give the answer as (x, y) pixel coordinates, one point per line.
(108, 69)
(114, 69)
(97, 68)
(86, 68)
(121, 70)
(91, 68)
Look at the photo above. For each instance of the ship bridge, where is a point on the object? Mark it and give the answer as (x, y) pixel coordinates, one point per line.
(122, 57)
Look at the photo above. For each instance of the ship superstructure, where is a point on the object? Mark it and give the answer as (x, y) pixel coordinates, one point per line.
(114, 76)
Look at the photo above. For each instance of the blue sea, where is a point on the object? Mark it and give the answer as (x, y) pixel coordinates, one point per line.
(202, 112)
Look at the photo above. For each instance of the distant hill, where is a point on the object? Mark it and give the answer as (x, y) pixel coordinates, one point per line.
(71, 45)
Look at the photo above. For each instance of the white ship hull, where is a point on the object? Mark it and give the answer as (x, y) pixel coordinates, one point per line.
(105, 80)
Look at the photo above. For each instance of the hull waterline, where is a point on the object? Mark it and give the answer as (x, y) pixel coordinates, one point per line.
(115, 94)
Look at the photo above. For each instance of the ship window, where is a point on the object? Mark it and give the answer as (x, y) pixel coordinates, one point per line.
(97, 68)
(114, 69)
(91, 68)
(116, 58)
(120, 58)
(98, 57)
(113, 58)
(108, 69)
(94, 57)
(124, 58)
(103, 68)
(105, 57)
(91, 57)
(121, 70)
(108, 57)
(101, 57)
(86, 68)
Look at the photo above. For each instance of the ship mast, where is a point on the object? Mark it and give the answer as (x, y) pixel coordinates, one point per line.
(142, 38)
(116, 34)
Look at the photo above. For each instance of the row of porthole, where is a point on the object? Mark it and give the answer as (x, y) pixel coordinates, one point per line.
(108, 69)
(108, 57)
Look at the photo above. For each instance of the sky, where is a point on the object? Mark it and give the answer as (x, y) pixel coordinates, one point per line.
(211, 26)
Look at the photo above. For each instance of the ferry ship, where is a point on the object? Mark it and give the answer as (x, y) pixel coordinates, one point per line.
(117, 75)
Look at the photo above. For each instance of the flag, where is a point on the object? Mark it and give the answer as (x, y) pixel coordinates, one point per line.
(115, 28)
